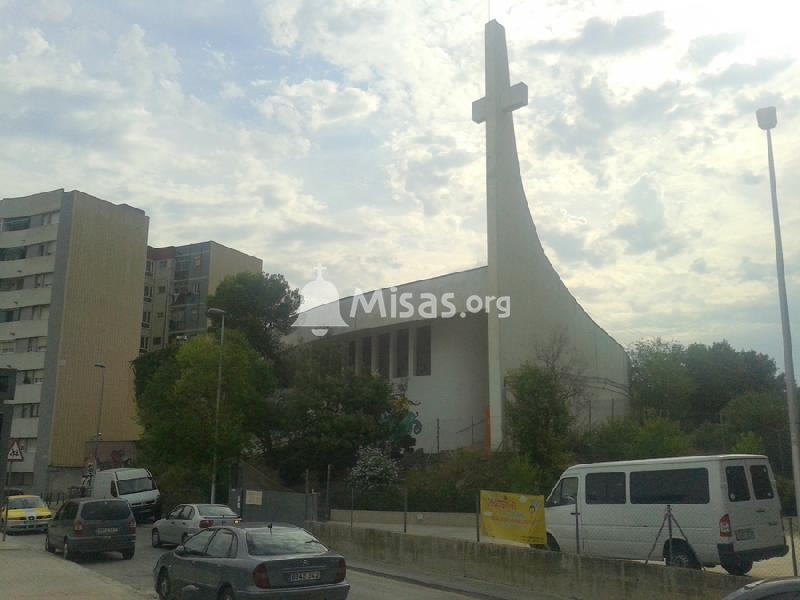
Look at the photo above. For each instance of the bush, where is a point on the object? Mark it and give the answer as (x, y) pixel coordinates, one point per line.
(625, 439)
(373, 469)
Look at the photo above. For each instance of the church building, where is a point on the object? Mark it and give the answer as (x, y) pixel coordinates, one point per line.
(452, 341)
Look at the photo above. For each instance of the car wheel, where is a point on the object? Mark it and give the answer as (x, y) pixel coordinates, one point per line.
(128, 554)
(226, 594)
(163, 585)
(737, 566)
(69, 553)
(155, 539)
(47, 545)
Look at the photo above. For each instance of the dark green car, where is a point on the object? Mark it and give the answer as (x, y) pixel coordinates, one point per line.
(83, 526)
(227, 563)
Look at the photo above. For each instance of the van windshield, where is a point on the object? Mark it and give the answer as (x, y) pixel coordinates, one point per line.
(133, 486)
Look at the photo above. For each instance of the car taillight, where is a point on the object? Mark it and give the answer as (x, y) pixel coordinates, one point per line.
(260, 577)
(77, 527)
(237, 521)
(725, 526)
(341, 571)
(206, 523)
(131, 525)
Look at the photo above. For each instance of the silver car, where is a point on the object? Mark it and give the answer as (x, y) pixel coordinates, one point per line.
(282, 562)
(185, 520)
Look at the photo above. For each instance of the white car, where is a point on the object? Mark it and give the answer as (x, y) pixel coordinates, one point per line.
(185, 520)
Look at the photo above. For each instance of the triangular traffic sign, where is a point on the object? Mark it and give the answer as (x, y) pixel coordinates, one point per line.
(14, 453)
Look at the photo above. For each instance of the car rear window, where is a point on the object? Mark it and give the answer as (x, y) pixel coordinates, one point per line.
(213, 510)
(105, 511)
(25, 503)
(762, 486)
(282, 541)
(737, 484)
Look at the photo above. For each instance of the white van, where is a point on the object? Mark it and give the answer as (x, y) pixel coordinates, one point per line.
(726, 506)
(136, 486)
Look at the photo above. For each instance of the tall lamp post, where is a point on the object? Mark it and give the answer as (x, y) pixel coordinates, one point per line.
(102, 368)
(217, 311)
(767, 120)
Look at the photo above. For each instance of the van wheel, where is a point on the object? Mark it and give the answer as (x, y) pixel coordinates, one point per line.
(737, 566)
(552, 544)
(682, 556)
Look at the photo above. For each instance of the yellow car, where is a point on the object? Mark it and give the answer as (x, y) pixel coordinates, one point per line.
(26, 513)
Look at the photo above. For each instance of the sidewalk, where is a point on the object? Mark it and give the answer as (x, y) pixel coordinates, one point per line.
(27, 574)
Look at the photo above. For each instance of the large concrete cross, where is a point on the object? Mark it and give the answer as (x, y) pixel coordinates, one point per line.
(501, 97)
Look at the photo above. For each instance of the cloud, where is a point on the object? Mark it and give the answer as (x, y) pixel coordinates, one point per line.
(702, 50)
(699, 265)
(644, 227)
(232, 91)
(741, 75)
(613, 37)
(755, 271)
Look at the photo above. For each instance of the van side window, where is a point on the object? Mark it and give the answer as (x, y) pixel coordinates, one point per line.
(762, 486)
(674, 486)
(564, 493)
(737, 484)
(605, 488)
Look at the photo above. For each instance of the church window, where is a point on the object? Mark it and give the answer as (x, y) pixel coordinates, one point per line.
(423, 351)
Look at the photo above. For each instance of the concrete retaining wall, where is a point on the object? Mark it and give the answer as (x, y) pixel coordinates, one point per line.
(388, 517)
(561, 574)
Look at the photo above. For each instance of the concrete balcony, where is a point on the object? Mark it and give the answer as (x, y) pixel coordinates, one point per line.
(20, 298)
(27, 393)
(22, 361)
(27, 266)
(16, 330)
(25, 237)
(25, 428)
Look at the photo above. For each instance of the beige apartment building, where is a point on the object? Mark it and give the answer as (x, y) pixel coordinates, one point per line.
(178, 281)
(71, 275)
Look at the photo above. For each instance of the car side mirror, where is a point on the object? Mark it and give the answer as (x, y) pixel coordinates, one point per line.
(180, 551)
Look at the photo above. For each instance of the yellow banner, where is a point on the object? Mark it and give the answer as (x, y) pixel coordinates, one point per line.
(515, 517)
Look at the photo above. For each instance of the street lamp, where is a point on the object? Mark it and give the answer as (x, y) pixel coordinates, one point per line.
(767, 120)
(217, 311)
(102, 368)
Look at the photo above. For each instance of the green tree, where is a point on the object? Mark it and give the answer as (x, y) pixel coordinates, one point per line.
(262, 306)
(627, 439)
(176, 400)
(661, 386)
(539, 417)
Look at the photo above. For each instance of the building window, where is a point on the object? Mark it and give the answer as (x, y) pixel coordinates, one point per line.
(384, 347)
(423, 351)
(12, 253)
(148, 293)
(196, 288)
(10, 285)
(146, 319)
(144, 343)
(159, 315)
(156, 341)
(366, 355)
(352, 353)
(148, 267)
(162, 289)
(6, 316)
(43, 280)
(162, 264)
(38, 376)
(197, 261)
(401, 354)
(41, 312)
(8, 347)
(51, 218)
(41, 344)
(26, 411)
(16, 223)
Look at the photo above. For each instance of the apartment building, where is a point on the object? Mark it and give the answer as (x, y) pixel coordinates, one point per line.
(178, 281)
(70, 282)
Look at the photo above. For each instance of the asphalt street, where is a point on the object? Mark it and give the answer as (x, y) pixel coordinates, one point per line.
(137, 573)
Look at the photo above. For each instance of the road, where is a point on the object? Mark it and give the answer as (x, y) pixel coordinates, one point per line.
(137, 573)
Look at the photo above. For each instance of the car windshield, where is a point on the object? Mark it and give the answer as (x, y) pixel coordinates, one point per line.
(110, 510)
(25, 503)
(132, 486)
(214, 510)
(264, 542)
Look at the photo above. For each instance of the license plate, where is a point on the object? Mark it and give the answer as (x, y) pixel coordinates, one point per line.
(305, 576)
(107, 530)
(745, 534)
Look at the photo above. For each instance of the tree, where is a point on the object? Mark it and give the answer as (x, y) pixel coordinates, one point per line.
(262, 306)
(539, 417)
(176, 400)
(627, 439)
(660, 383)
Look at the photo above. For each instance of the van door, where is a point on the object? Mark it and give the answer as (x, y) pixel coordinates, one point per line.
(741, 508)
(767, 522)
(560, 509)
(605, 516)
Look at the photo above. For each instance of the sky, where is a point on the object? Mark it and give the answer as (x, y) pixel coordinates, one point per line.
(339, 133)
